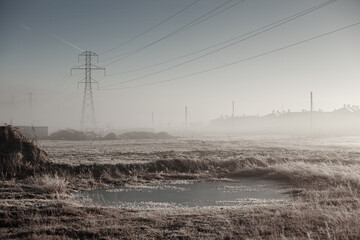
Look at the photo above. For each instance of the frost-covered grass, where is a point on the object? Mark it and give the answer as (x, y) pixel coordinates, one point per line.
(324, 173)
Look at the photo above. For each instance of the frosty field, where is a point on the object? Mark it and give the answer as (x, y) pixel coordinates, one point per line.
(321, 174)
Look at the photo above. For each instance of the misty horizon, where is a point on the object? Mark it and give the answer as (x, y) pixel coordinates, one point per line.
(162, 56)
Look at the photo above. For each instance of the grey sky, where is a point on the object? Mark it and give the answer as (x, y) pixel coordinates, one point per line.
(40, 41)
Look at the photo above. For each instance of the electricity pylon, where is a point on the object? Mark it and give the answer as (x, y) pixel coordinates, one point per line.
(88, 109)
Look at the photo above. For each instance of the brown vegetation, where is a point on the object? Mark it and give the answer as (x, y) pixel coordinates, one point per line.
(19, 156)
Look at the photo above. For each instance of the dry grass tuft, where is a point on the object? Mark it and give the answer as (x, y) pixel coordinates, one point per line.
(50, 184)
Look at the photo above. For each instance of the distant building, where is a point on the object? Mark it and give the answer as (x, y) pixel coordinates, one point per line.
(347, 109)
(34, 131)
(343, 120)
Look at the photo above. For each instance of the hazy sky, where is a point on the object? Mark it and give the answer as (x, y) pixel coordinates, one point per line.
(40, 41)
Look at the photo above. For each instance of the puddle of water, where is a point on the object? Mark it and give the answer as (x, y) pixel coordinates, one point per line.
(191, 194)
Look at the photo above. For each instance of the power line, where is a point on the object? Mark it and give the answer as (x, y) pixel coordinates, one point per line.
(242, 60)
(186, 55)
(215, 45)
(151, 28)
(208, 17)
(58, 86)
(190, 24)
(254, 33)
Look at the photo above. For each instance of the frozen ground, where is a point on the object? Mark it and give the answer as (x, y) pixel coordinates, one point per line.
(225, 148)
(324, 174)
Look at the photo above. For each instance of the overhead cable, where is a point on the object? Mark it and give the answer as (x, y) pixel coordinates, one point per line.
(241, 60)
(151, 28)
(190, 24)
(254, 33)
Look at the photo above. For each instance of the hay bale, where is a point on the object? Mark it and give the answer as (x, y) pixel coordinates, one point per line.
(19, 156)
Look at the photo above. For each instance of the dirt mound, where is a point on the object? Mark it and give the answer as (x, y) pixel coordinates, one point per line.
(19, 157)
(145, 135)
(110, 136)
(74, 135)
(68, 134)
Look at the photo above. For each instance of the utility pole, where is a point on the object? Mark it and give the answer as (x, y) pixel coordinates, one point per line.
(233, 115)
(30, 99)
(186, 116)
(88, 109)
(311, 111)
(12, 109)
(152, 120)
(30, 106)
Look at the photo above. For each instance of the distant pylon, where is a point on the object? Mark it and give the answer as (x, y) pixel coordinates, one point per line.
(88, 109)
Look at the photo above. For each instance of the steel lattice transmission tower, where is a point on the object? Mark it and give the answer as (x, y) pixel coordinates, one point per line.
(88, 109)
